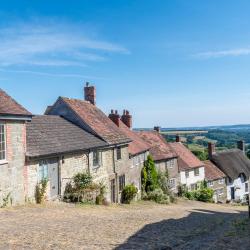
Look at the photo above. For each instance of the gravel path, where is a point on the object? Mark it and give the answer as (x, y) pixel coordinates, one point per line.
(186, 225)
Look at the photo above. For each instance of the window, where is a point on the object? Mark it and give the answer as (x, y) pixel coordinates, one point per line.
(197, 172)
(43, 171)
(118, 153)
(219, 192)
(97, 157)
(210, 183)
(193, 187)
(2, 142)
(170, 163)
(246, 188)
(187, 174)
(172, 183)
(221, 181)
(121, 182)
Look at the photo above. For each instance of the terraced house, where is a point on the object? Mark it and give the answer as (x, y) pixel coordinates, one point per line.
(13, 121)
(236, 166)
(111, 161)
(138, 149)
(166, 159)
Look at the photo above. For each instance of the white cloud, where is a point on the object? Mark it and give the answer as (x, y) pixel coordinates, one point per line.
(224, 53)
(52, 44)
(49, 74)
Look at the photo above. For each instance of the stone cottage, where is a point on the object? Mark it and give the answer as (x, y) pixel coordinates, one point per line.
(57, 150)
(216, 180)
(138, 149)
(164, 156)
(236, 166)
(114, 158)
(13, 121)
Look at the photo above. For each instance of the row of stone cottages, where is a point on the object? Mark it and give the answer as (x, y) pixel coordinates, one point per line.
(75, 136)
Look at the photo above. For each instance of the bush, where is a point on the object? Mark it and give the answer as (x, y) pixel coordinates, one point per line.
(204, 194)
(163, 182)
(158, 196)
(82, 180)
(128, 193)
(149, 175)
(41, 191)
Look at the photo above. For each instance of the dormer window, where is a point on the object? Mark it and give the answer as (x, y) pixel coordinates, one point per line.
(2, 142)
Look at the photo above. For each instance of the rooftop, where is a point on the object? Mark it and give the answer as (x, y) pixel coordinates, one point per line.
(212, 172)
(159, 148)
(8, 106)
(186, 159)
(49, 134)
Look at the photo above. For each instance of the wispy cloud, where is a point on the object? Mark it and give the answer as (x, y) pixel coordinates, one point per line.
(52, 44)
(50, 74)
(223, 53)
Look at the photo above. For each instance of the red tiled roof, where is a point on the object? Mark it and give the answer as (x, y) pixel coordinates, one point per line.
(137, 145)
(160, 149)
(97, 121)
(212, 172)
(8, 106)
(186, 159)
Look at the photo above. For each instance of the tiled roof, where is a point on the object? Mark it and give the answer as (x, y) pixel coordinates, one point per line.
(212, 172)
(8, 106)
(48, 135)
(159, 148)
(232, 162)
(97, 121)
(186, 159)
(137, 145)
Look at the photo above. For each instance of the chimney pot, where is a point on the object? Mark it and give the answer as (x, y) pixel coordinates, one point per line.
(115, 117)
(127, 118)
(178, 138)
(211, 149)
(241, 146)
(157, 129)
(90, 93)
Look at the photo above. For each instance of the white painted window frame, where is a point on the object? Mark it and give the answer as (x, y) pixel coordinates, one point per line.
(5, 143)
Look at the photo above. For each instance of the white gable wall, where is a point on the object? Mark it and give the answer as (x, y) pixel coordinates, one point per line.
(239, 189)
(192, 179)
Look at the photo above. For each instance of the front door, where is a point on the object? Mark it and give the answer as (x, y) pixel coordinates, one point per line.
(232, 193)
(112, 188)
(53, 177)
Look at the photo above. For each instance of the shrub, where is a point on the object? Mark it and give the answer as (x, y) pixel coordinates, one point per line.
(82, 180)
(41, 191)
(128, 193)
(100, 199)
(163, 182)
(158, 196)
(205, 195)
(149, 175)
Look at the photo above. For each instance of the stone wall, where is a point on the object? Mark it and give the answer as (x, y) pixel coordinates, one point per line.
(220, 190)
(12, 171)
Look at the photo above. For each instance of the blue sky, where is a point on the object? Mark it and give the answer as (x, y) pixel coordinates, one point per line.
(172, 63)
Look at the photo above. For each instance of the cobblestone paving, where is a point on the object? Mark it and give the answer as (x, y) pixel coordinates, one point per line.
(186, 225)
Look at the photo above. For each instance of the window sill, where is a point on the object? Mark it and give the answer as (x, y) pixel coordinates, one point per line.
(3, 162)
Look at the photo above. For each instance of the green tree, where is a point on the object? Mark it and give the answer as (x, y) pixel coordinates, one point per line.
(149, 175)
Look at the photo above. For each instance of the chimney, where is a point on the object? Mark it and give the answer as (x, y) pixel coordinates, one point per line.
(178, 138)
(157, 129)
(211, 150)
(241, 146)
(114, 117)
(127, 118)
(90, 93)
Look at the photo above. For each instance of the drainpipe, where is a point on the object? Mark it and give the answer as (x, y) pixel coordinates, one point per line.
(88, 162)
(116, 182)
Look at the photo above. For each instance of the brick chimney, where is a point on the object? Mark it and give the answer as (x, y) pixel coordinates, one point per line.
(241, 145)
(127, 118)
(178, 138)
(157, 129)
(211, 150)
(115, 117)
(90, 93)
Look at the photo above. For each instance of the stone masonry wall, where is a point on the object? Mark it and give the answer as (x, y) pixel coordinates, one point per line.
(12, 172)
